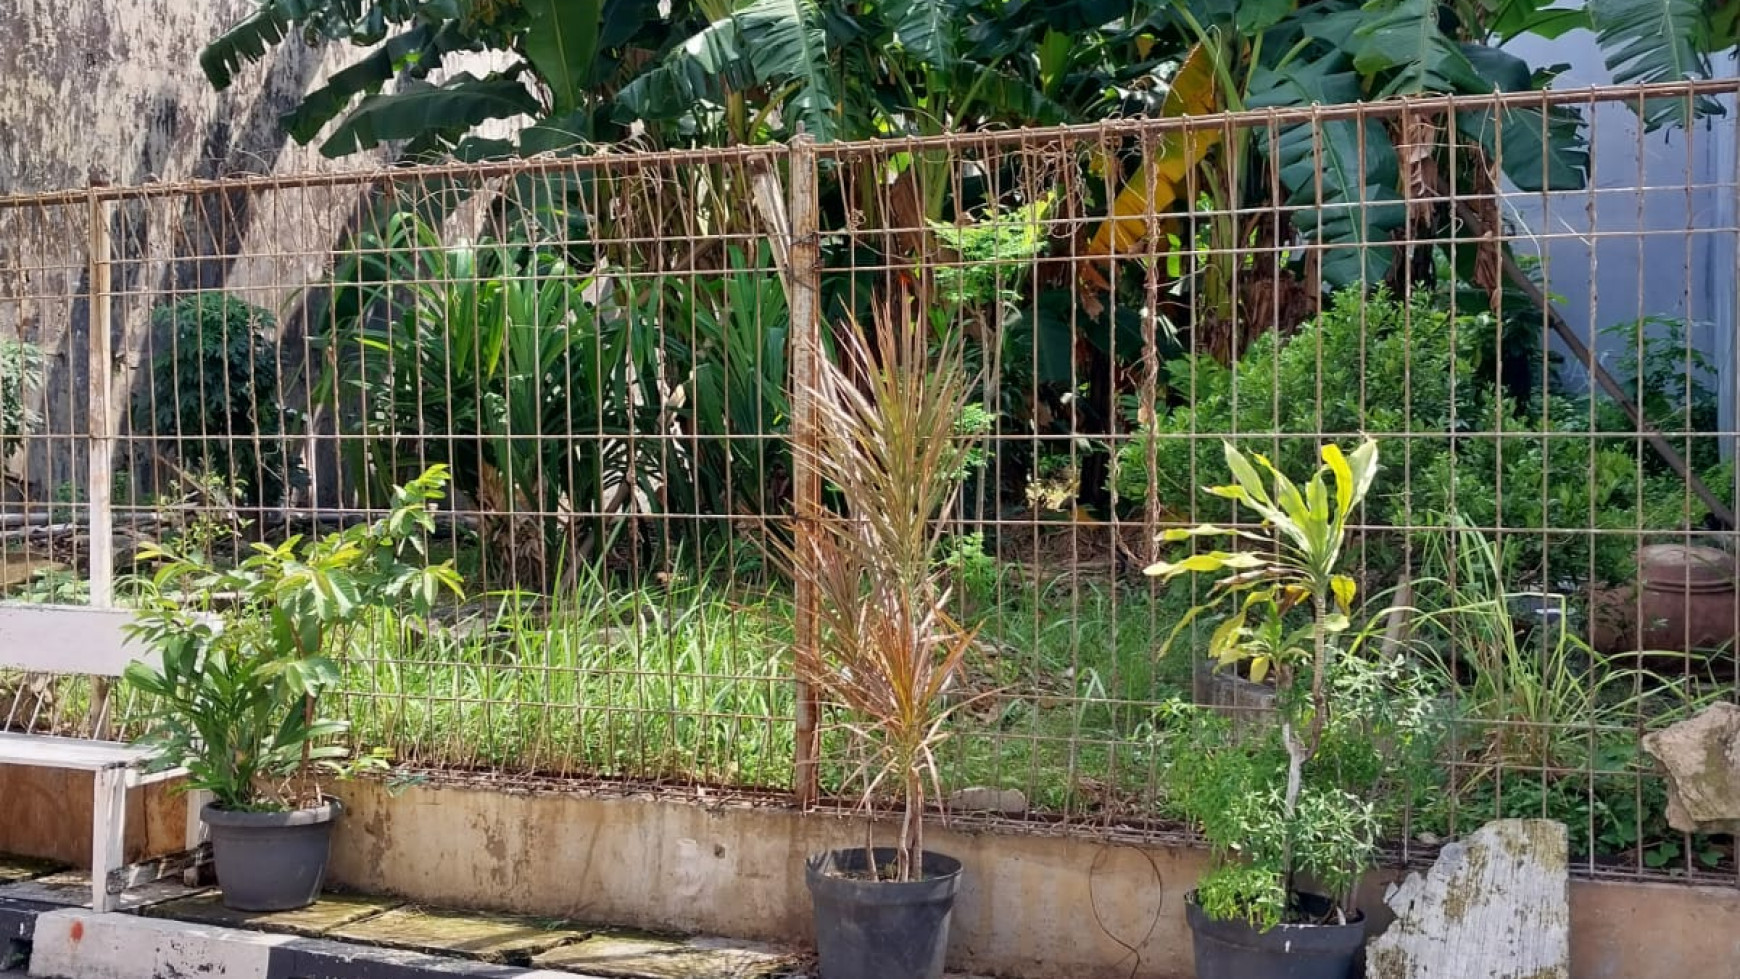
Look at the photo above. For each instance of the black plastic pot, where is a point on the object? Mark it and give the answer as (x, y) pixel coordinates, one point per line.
(1235, 950)
(270, 861)
(872, 929)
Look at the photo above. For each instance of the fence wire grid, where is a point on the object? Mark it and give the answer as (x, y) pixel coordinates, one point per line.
(604, 351)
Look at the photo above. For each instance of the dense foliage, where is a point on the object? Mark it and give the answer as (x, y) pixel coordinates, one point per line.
(560, 400)
(21, 367)
(213, 402)
(1565, 464)
(236, 688)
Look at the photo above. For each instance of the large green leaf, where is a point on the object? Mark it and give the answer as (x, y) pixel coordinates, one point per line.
(1002, 96)
(461, 104)
(1403, 36)
(926, 29)
(1541, 18)
(415, 52)
(562, 45)
(1647, 41)
(1340, 174)
(1537, 150)
(699, 69)
(786, 44)
(247, 42)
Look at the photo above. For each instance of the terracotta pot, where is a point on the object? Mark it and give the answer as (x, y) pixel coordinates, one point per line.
(1687, 601)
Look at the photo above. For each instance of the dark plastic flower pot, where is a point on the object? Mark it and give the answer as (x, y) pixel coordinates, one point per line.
(1235, 950)
(872, 929)
(270, 861)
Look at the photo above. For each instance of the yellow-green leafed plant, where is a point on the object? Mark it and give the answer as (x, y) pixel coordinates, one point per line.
(890, 448)
(1292, 561)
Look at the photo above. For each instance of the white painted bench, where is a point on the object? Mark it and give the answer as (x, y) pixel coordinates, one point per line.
(81, 641)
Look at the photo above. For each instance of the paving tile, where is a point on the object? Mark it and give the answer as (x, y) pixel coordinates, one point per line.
(14, 868)
(72, 889)
(638, 957)
(492, 938)
(331, 911)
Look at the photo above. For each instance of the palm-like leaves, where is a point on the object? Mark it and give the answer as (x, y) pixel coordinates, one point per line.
(1303, 532)
(887, 645)
(1663, 41)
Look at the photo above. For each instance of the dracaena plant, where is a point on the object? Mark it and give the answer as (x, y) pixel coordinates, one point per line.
(1288, 571)
(243, 653)
(890, 449)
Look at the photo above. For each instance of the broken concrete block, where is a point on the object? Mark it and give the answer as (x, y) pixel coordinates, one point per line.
(1495, 906)
(1702, 758)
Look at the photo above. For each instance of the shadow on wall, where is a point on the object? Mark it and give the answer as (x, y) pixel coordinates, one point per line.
(170, 246)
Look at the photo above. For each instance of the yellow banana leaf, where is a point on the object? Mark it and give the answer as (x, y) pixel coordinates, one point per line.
(1193, 93)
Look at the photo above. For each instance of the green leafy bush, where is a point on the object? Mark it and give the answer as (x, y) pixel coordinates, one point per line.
(212, 403)
(1428, 381)
(554, 393)
(236, 689)
(20, 374)
(1275, 810)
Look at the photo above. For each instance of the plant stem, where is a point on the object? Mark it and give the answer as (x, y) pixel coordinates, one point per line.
(911, 828)
(1296, 755)
(1319, 660)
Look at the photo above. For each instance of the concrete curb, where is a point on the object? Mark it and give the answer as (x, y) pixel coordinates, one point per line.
(74, 943)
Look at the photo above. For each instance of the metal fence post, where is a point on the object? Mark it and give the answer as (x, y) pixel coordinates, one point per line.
(100, 437)
(804, 259)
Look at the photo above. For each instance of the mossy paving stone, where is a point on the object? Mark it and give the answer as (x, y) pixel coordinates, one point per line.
(491, 938)
(641, 957)
(15, 868)
(331, 911)
(72, 889)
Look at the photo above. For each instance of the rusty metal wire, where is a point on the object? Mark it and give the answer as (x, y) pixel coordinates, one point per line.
(602, 349)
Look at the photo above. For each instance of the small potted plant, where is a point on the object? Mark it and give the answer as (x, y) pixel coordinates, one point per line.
(1290, 843)
(892, 451)
(243, 655)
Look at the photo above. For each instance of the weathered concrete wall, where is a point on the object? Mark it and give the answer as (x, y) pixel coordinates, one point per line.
(113, 89)
(46, 813)
(1030, 906)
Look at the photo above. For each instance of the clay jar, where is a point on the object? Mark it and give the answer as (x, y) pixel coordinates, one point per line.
(1689, 601)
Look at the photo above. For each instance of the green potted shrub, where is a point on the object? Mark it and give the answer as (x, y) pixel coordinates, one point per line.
(243, 655)
(1290, 842)
(891, 450)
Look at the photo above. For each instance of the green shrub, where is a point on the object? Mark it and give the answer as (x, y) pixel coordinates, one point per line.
(20, 373)
(1428, 382)
(213, 405)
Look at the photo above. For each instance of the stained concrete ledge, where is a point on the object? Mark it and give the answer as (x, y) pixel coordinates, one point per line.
(1030, 906)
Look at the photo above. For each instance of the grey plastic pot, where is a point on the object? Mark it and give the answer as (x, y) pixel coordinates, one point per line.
(873, 929)
(270, 861)
(1235, 950)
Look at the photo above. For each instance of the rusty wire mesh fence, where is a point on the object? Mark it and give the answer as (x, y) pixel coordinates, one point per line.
(602, 351)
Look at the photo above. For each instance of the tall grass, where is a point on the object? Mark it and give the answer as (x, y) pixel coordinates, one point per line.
(688, 682)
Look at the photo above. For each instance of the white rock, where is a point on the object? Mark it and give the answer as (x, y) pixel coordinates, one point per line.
(1702, 758)
(1495, 906)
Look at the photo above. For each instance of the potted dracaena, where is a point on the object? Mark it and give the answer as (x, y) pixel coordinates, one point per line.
(1290, 844)
(243, 655)
(890, 447)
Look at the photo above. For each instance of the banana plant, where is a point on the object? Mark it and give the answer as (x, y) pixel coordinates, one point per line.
(1343, 179)
(1296, 563)
(567, 57)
